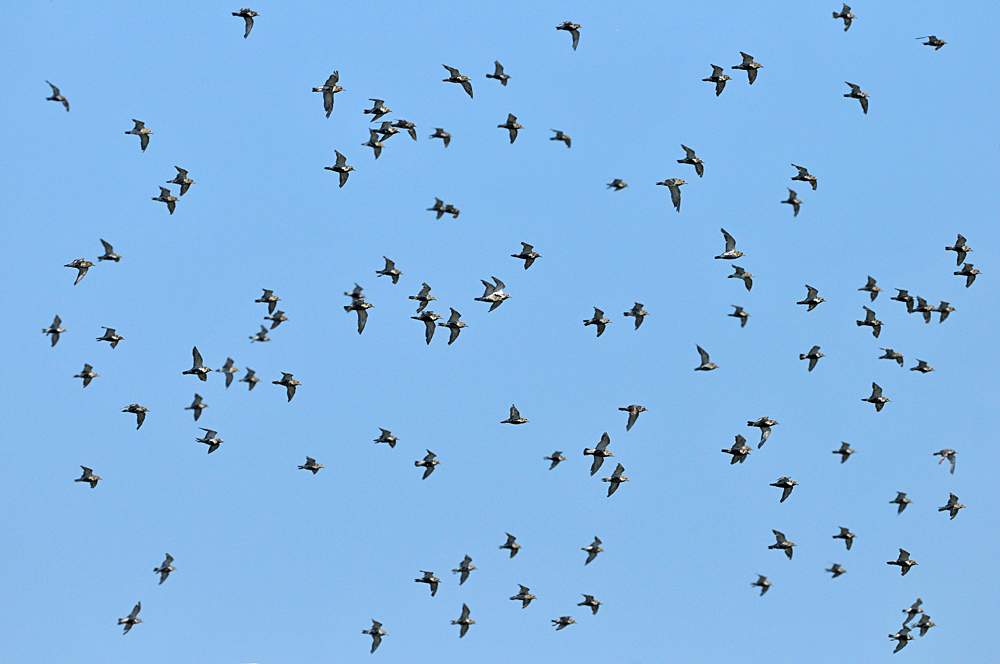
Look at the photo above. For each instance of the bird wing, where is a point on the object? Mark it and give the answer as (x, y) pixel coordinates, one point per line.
(341, 159)
(876, 391)
(730, 240)
(334, 78)
(704, 355)
(514, 415)
(618, 472)
(197, 358)
(451, 70)
(812, 292)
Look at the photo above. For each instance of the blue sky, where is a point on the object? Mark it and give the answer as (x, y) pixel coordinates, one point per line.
(275, 564)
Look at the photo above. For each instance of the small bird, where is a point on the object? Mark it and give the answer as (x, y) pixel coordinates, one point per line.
(633, 414)
(904, 297)
(845, 452)
(528, 254)
(739, 313)
(718, 78)
(423, 297)
(515, 417)
(890, 354)
(340, 167)
(211, 439)
(764, 424)
(498, 74)
(329, 89)
(690, 158)
(599, 453)
(740, 273)
(109, 253)
(182, 179)
(429, 579)
(922, 367)
(165, 569)
(931, 41)
(198, 369)
(437, 207)
(749, 66)
(250, 378)
(730, 253)
(110, 336)
(455, 76)
(616, 479)
(260, 336)
(903, 562)
(969, 273)
(902, 637)
(739, 450)
(131, 619)
(960, 250)
(793, 200)
(454, 325)
(592, 550)
(944, 309)
(555, 458)
(311, 464)
(387, 437)
(638, 313)
(511, 125)
(846, 15)
(568, 140)
(511, 544)
(289, 383)
(248, 17)
(836, 570)
(617, 184)
(706, 364)
(443, 135)
(813, 356)
(782, 543)
(464, 568)
(166, 197)
(948, 454)
(494, 293)
(387, 130)
(674, 185)
(786, 484)
(229, 370)
(82, 266)
(871, 288)
(428, 317)
(599, 320)
(877, 398)
(952, 506)
(872, 322)
(140, 130)
(55, 330)
(89, 476)
(427, 463)
(197, 406)
(374, 143)
(408, 126)
(762, 583)
(804, 176)
(924, 624)
(588, 600)
(856, 93)
(355, 293)
(362, 308)
(912, 612)
(87, 374)
(464, 620)
(524, 596)
(270, 299)
(140, 413)
(846, 535)
(900, 500)
(563, 621)
(573, 29)
(376, 633)
(923, 308)
(389, 271)
(58, 97)
(277, 318)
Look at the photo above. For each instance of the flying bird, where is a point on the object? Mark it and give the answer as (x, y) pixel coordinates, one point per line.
(329, 89)
(427, 463)
(515, 417)
(969, 273)
(211, 439)
(456, 76)
(555, 458)
(563, 621)
(408, 126)
(786, 484)
(674, 185)
(952, 506)
(638, 313)
(389, 271)
(903, 562)
(902, 501)
(902, 637)
(59, 98)
(197, 406)
(464, 568)
(89, 477)
(527, 254)
(132, 618)
(960, 250)
(81, 266)
(924, 624)
(931, 41)
(691, 158)
(110, 336)
(949, 455)
(730, 253)
(464, 620)
(165, 569)
(423, 297)
(599, 320)
(511, 545)
(782, 544)
(166, 197)
(739, 313)
(836, 570)
(872, 322)
(944, 309)
(633, 414)
(250, 378)
(740, 273)
(913, 611)
(248, 17)
(762, 583)
(739, 451)
(289, 383)
(140, 130)
(87, 374)
(719, 78)
(813, 356)
(845, 14)
(617, 184)
(362, 308)
(904, 297)
(340, 167)
(706, 364)
(428, 317)
(270, 299)
(749, 66)
(922, 367)
(311, 464)
(494, 293)
(846, 535)
(374, 143)
(260, 336)
(794, 201)
(443, 135)
(599, 453)
(429, 579)
(804, 176)
(573, 29)
(871, 288)
(511, 125)
(498, 74)
(856, 93)
(845, 452)
(198, 366)
(568, 140)
(454, 325)
(524, 596)
(588, 600)
(616, 479)
(182, 179)
(592, 550)
(55, 330)
(387, 437)
(277, 318)
(876, 398)
(228, 369)
(376, 633)
(764, 424)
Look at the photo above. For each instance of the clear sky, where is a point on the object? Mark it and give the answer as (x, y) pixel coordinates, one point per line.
(277, 565)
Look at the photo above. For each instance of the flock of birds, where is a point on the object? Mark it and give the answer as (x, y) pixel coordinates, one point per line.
(495, 295)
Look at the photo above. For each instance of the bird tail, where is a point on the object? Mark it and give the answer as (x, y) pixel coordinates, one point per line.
(802, 356)
(835, 15)
(859, 323)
